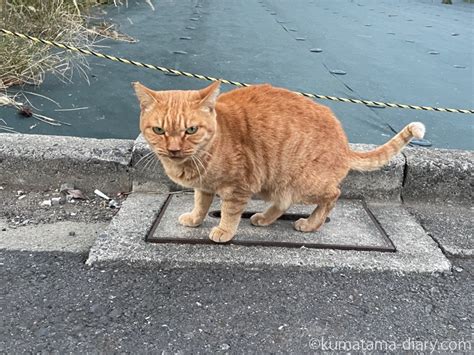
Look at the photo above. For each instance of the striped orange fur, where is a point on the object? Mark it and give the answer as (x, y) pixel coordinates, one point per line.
(259, 140)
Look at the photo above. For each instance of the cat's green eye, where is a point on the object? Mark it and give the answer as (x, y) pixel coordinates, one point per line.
(158, 130)
(191, 130)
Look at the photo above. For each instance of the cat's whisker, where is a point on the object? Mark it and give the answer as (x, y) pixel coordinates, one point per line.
(143, 158)
(200, 163)
(155, 164)
(197, 168)
(149, 162)
(145, 163)
(205, 152)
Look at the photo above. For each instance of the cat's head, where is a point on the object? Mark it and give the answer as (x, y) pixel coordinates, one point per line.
(177, 124)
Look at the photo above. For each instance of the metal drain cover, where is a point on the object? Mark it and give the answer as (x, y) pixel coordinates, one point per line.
(351, 227)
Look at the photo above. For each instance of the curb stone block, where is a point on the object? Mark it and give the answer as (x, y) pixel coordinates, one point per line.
(383, 184)
(42, 162)
(439, 175)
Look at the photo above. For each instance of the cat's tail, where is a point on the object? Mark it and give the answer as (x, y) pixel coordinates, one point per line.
(375, 159)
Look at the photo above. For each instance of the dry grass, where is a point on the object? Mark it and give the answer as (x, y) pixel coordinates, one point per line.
(23, 61)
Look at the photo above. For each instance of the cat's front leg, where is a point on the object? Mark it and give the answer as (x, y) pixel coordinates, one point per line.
(202, 202)
(231, 211)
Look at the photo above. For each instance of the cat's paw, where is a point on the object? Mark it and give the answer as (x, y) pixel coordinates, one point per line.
(189, 220)
(220, 236)
(258, 219)
(303, 225)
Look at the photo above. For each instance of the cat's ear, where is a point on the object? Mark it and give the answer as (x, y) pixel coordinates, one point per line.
(144, 95)
(208, 96)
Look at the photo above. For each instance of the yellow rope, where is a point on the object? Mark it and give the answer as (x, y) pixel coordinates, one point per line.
(225, 81)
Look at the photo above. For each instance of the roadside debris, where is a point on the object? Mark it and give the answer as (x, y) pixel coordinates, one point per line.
(69, 192)
(47, 203)
(51, 206)
(112, 203)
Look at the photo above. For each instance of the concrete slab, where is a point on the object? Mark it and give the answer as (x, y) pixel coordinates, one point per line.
(350, 227)
(76, 237)
(450, 226)
(124, 242)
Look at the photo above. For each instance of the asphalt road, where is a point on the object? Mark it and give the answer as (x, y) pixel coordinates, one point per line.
(53, 302)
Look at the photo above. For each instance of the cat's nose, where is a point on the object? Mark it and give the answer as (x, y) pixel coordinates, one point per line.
(174, 152)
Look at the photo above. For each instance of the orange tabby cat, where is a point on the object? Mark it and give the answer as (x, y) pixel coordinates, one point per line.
(257, 140)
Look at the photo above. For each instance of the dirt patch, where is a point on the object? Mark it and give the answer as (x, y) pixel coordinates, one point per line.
(26, 208)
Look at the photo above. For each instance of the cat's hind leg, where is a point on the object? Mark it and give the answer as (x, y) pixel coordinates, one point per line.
(270, 215)
(326, 203)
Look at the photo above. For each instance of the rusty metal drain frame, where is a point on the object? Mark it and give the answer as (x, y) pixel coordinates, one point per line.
(263, 243)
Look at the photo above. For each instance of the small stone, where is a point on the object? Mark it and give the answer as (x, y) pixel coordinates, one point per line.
(199, 304)
(454, 34)
(185, 38)
(300, 39)
(409, 41)
(194, 19)
(225, 346)
(458, 269)
(190, 27)
(42, 332)
(338, 72)
(115, 313)
(457, 66)
(4, 229)
(21, 197)
(316, 50)
(55, 201)
(72, 234)
(62, 200)
(433, 52)
(114, 204)
(66, 186)
(180, 52)
(367, 25)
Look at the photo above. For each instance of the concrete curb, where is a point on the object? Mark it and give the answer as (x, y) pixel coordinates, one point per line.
(112, 165)
(41, 162)
(438, 175)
